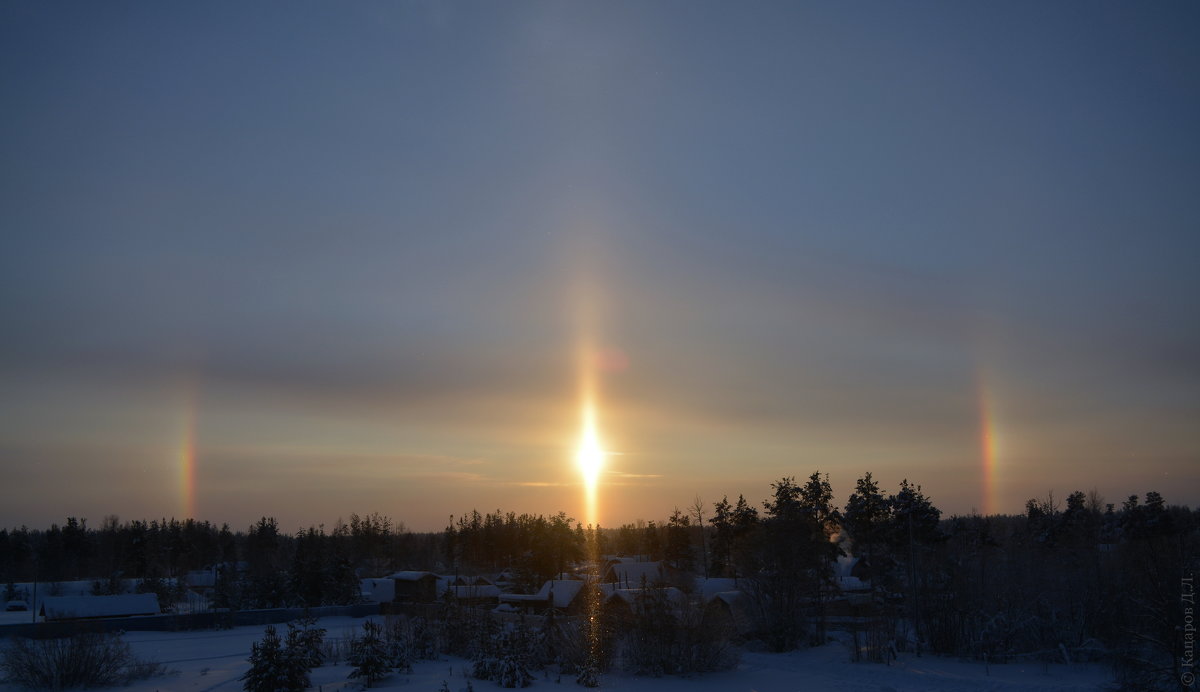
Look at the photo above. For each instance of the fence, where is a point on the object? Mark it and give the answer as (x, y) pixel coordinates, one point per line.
(182, 621)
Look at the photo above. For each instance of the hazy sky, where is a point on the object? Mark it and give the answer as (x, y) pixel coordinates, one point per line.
(307, 259)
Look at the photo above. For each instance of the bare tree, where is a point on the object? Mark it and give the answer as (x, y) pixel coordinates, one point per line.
(697, 510)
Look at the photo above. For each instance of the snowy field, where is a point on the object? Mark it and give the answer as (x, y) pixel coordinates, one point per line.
(212, 661)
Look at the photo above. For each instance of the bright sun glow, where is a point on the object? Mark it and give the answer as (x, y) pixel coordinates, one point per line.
(590, 458)
(590, 455)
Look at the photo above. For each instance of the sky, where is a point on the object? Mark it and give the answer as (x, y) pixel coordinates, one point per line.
(310, 259)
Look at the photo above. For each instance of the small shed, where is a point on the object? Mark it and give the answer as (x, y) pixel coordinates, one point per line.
(94, 607)
(415, 587)
(729, 612)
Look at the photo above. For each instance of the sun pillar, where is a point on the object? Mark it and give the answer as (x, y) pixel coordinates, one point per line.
(988, 446)
(590, 458)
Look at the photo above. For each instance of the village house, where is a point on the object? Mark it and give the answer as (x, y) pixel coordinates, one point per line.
(414, 587)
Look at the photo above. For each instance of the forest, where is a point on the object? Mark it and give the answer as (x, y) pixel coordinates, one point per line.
(1077, 579)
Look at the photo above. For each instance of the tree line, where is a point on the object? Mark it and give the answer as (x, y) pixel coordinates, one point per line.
(260, 567)
(1075, 579)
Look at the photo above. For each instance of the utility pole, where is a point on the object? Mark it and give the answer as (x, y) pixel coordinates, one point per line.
(35, 580)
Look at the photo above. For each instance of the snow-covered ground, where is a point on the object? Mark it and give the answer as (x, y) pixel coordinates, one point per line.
(212, 661)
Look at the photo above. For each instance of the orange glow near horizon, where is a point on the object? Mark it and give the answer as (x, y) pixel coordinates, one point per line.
(187, 459)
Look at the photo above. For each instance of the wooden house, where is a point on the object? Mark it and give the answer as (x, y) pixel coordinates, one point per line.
(414, 587)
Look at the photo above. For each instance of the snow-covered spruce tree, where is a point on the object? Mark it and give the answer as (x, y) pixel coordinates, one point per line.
(274, 668)
(426, 640)
(505, 659)
(512, 671)
(369, 655)
(516, 657)
(485, 651)
(589, 676)
(304, 640)
(399, 640)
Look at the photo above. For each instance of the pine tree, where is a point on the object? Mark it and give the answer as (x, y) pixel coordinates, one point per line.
(791, 560)
(679, 542)
(369, 655)
(746, 526)
(304, 642)
(722, 542)
(867, 519)
(274, 668)
(914, 526)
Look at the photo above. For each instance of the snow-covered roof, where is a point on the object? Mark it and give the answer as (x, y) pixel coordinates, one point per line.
(632, 574)
(630, 596)
(412, 576)
(558, 593)
(70, 607)
(564, 590)
(729, 597)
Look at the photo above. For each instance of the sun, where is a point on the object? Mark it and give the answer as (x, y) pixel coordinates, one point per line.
(590, 456)
(590, 459)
